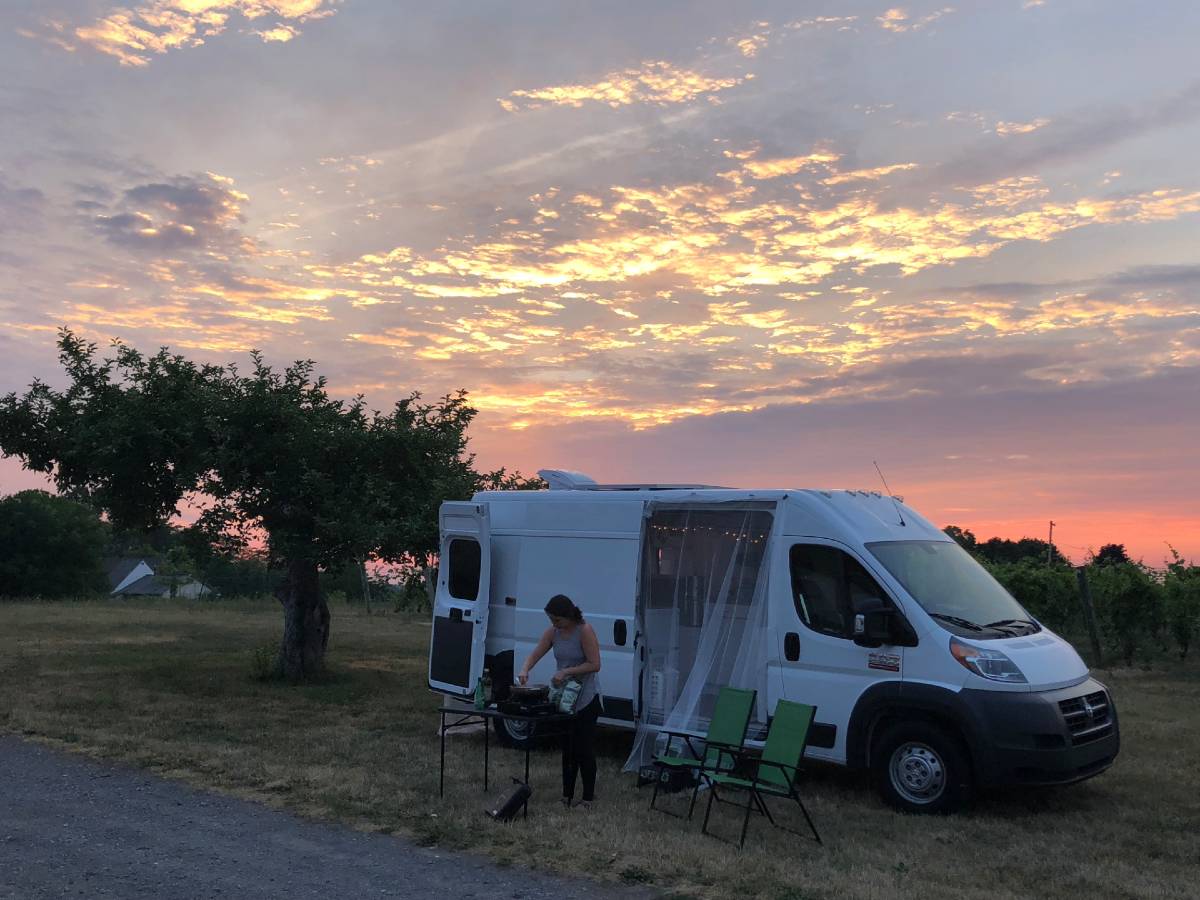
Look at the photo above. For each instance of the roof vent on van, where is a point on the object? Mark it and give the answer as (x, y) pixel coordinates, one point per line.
(565, 480)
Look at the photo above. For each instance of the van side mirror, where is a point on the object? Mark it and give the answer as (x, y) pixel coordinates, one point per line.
(873, 628)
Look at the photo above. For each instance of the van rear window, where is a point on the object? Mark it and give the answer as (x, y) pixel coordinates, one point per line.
(464, 565)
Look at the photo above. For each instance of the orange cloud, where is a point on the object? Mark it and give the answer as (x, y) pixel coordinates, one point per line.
(750, 44)
(1004, 129)
(659, 83)
(134, 35)
(727, 236)
(897, 19)
(280, 34)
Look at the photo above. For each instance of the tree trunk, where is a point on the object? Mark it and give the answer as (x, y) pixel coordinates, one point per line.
(366, 584)
(305, 622)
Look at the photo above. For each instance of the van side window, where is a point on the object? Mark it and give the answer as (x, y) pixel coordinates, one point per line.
(829, 586)
(464, 565)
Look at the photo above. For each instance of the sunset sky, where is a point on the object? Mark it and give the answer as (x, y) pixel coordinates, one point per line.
(753, 244)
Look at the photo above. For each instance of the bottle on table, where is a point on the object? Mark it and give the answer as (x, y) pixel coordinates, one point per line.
(482, 686)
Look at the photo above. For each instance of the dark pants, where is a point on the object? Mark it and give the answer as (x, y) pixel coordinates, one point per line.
(579, 751)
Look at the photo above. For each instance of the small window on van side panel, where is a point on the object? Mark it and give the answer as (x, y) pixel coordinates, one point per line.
(465, 560)
(828, 586)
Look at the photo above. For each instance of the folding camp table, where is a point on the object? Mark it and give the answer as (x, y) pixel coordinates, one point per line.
(474, 716)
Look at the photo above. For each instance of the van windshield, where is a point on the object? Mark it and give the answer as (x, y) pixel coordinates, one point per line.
(956, 591)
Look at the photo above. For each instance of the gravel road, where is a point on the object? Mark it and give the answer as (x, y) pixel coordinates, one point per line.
(73, 827)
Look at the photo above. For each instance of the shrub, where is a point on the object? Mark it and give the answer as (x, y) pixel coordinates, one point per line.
(50, 547)
(1050, 593)
(264, 662)
(412, 595)
(1181, 601)
(1129, 605)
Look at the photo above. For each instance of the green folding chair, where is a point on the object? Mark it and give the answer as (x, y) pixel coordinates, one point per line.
(774, 773)
(726, 734)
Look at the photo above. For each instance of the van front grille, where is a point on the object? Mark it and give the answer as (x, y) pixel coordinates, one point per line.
(1087, 717)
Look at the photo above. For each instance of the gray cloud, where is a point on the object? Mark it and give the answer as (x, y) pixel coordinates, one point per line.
(92, 190)
(1134, 278)
(19, 207)
(1085, 133)
(1159, 276)
(185, 213)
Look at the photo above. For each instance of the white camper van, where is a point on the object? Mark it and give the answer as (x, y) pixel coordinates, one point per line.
(922, 668)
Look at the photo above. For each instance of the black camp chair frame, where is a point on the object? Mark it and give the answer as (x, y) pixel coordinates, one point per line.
(755, 801)
(697, 771)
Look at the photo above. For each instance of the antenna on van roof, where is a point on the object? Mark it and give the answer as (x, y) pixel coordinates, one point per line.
(887, 489)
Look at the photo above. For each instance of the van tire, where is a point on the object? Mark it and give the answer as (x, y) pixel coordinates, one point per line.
(921, 767)
(521, 735)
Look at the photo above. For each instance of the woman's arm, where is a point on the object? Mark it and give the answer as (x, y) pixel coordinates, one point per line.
(542, 648)
(591, 650)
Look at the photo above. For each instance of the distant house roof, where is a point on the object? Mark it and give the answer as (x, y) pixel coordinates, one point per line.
(133, 576)
(125, 570)
(146, 586)
(119, 568)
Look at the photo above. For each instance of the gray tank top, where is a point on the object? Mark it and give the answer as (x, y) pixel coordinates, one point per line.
(568, 652)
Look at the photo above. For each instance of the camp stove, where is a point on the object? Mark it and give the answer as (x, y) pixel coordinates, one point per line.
(518, 707)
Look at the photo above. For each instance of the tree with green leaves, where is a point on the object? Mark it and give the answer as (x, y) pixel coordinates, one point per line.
(274, 458)
(52, 547)
(1111, 555)
(1129, 605)
(964, 537)
(1181, 589)
(1049, 592)
(1004, 550)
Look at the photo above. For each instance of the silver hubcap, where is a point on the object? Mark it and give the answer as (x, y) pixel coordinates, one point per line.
(918, 773)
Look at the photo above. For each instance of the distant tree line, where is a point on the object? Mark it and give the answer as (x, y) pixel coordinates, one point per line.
(57, 548)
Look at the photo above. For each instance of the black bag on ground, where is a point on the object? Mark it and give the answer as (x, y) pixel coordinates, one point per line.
(512, 804)
(670, 780)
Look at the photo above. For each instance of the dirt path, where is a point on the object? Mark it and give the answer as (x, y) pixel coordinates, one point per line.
(72, 827)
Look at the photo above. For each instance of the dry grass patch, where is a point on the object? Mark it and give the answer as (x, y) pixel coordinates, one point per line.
(168, 686)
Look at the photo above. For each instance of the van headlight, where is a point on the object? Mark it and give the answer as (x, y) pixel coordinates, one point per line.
(990, 664)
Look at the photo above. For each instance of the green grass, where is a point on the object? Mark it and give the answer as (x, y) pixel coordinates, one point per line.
(172, 687)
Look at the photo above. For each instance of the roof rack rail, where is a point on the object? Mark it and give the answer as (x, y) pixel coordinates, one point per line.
(566, 480)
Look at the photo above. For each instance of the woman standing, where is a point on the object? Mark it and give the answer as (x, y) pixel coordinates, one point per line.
(577, 655)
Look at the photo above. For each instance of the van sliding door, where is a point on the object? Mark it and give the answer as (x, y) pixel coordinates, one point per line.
(460, 611)
(701, 614)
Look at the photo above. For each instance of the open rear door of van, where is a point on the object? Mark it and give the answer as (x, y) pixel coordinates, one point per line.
(460, 609)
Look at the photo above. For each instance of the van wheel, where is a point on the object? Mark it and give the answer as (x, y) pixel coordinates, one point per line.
(920, 767)
(522, 735)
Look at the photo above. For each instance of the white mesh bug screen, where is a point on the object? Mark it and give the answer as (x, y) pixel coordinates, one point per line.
(702, 611)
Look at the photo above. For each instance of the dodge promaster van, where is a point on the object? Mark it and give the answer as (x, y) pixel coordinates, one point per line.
(923, 669)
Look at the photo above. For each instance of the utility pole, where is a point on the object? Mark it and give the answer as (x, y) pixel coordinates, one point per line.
(1050, 544)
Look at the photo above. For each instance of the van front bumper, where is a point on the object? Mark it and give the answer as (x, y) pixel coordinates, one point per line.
(1046, 737)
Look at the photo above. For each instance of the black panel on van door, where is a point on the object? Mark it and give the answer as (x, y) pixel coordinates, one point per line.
(450, 657)
(620, 633)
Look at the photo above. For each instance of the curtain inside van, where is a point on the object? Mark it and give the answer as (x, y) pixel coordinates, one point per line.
(703, 614)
